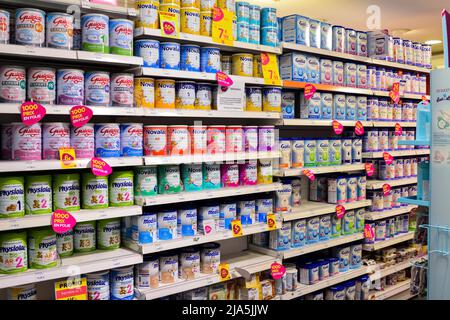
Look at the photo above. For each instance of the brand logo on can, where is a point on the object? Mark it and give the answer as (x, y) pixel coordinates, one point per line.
(14, 74)
(43, 76)
(124, 82)
(97, 25)
(62, 22)
(31, 18)
(107, 131)
(76, 78)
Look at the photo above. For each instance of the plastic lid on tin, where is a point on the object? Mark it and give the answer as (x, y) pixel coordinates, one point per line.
(190, 250)
(123, 269)
(32, 9)
(98, 274)
(171, 43)
(364, 278)
(185, 82)
(337, 288)
(269, 88)
(210, 48)
(91, 15)
(350, 283)
(190, 45)
(178, 126)
(107, 124)
(155, 126)
(212, 245)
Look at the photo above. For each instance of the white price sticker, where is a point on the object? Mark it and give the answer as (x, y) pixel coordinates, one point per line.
(39, 276)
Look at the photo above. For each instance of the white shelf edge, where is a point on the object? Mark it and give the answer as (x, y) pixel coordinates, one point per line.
(319, 170)
(395, 153)
(211, 114)
(389, 242)
(391, 291)
(377, 273)
(378, 184)
(106, 58)
(372, 216)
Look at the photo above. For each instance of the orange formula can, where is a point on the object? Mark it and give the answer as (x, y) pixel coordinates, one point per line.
(198, 139)
(165, 94)
(178, 140)
(155, 140)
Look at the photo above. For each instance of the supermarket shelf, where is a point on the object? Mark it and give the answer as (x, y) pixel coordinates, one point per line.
(310, 209)
(405, 295)
(378, 184)
(109, 59)
(410, 96)
(377, 273)
(184, 113)
(390, 242)
(250, 262)
(143, 33)
(39, 220)
(41, 165)
(325, 87)
(391, 124)
(320, 123)
(341, 277)
(295, 252)
(372, 216)
(413, 200)
(209, 194)
(220, 158)
(397, 153)
(200, 239)
(319, 170)
(391, 291)
(388, 64)
(75, 265)
(414, 142)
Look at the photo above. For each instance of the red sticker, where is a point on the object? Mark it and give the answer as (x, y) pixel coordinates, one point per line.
(223, 79)
(370, 169)
(80, 115)
(277, 270)
(218, 14)
(100, 168)
(309, 174)
(168, 28)
(265, 59)
(368, 232)
(309, 91)
(32, 113)
(338, 127)
(398, 129)
(62, 221)
(340, 211)
(359, 128)
(395, 92)
(388, 158)
(386, 189)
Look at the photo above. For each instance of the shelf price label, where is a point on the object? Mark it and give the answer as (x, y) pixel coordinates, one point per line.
(236, 228)
(71, 289)
(309, 174)
(277, 270)
(386, 189)
(80, 115)
(223, 79)
(337, 127)
(67, 158)
(271, 221)
(398, 129)
(340, 211)
(224, 272)
(62, 221)
(170, 25)
(270, 70)
(370, 169)
(388, 158)
(31, 113)
(359, 128)
(100, 168)
(309, 91)
(368, 232)
(395, 92)
(222, 26)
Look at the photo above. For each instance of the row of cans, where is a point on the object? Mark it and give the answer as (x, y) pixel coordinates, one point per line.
(386, 140)
(381, 109)
(389, 228)
(382, 202)
(400, 168)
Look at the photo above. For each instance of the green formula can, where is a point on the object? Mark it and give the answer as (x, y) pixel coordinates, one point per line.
(66, 192)
(38, 195)
(94, 191)
(84, 237)
(145, 183)
(12, 202)
(108, 234)
(42, 248)
(169, 180)
(121, 189)
(13, 252)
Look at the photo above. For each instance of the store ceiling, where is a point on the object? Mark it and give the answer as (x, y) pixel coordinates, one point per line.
(423, 18)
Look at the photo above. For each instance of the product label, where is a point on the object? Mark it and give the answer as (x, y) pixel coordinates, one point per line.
(398, 129)
(395, 92)
(309, 174)
(277, 270)
(224, 272)
(71, 289)
(271, 221)
(368, 232)
(370, 169)
(31, 113)
(340, 211)
(223, 79)
(270, 70)
(386, 189)
(388, 158)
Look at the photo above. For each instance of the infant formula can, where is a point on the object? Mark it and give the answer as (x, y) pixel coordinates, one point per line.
(266, 139)
(310, 156)
(192, 177)
(147, 16)
(254, 34)
(298, 237)
(108, 234)
(64, 243)
(167, 225)
(41, 84)
(211, 176)
(383, 140)
(323, 149)
(257, 66)
(216, 139)
(339, 39)
(253, 99)
(361, 191)
(82, 139)
(42, 248)
(269, 36)
(122, 89)
(178, 140)
(352, 189)
(314, 33)
(326, 106)
(95, 32)
(339, 106)
(59, 29)
(312, 230)
(146, 184)
(284, 145)
(26, 292)
(359, 219)
(269, 17)
(335, 293)
(283, 199)
(246, 212)
(347, 150)
(242, 11)
(168, 267)
(250, 138)
(6, 141)
(56, 135)
(350, 41)
(189, 265)
(198, 138)
(350, 74)
(210, 60)
(121, 37)
(226, 64)
(170, 55)
(265, 172)
(190, 58)
(98, 285)
(5, 25)
(206, 23)
(380, 230)
(121, 189)
(190, 20)
(361, 44)
(281, 239)
(361, 76)
(169, 179)
(338, 73)
(13, 252)
(288, 105)
(343, 254)
(203, 98)
(255, 14)
(210, 258)
(230, 175)
(357, 150)
(26, 142)
(209, 215)
(144, 93)
(38, 195)
(96, 88)
(30, 27)
(234, 139)
(12, 83)
(122, 283)
(324, 228)
(263, 208)
(12, 197)
(326, 36)
(165, 94)
(107, 140)
(336, 226)
(70, 87)
(185, 95)
(298, 153)
(326, 71)
(187, 222)
(147, 273)
(84, 237)
(94, 191)
(335, 151)
(399, 55)
(373, 112)
(228, 213)
(66, 192)
(242, 64)
(149, 50)
(145, 228)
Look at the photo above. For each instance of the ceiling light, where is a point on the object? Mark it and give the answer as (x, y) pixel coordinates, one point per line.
(432, 42)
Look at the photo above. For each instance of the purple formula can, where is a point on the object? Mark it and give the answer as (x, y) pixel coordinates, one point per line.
(248, 173)
(266, 138)
(361, 43)
(70, 87)
(250, 138)
(96, 88)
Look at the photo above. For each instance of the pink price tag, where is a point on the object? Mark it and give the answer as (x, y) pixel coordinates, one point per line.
(340, 211)
(31, 113)
(309, 174)
(309, 91)
(62, 221)
(368, 232)
(218, 14)
(277, 270)
(398, 129)
(100, 168)
(223, 79)
(80, 115)
(370, 169)
(388, 158)
(386, 189)
(359, 128)
(337, 127)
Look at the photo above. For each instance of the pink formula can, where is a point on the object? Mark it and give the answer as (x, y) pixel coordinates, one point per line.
(12, 84)
(155, 140)
(55, 135)
(251, 138)
(82, 139)
(234, 139)
(122, 90)
(266, 138)
(198, 139)
(178, 140)
(248, 173)
(42, 85)
(6, 133)
(230, 175)
(215, 137)
(26, 142)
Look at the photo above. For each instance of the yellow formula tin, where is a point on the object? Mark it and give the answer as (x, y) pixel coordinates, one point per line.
(203, 96)
(165, 94)
(206, 23)
(207, 5)
(176, 2)
(144, 93)
(227, 4)
(185, 95)
(190, 20)
(265, 172)
(190, 4)
(272, 99)
(147, 14)
(257, 66)
(253, 99)
(242, 64)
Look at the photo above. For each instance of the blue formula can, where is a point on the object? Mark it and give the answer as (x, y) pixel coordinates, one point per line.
(298, 233)
(96, 88)
(192, 177)
(98, 285)
(281, 239)
(190, 58)
(269, 36)
(149, 51)
(107, 140)
(243, 31)
(144, 228)
(243, 11)
(131, 136)
(355, 256)
(69, 87)
(170, 55)
(254, 36)
(95, 33)
(288, 105)
(269, 17)
(343, 254)
(338, 38)
(122, 283)
(263, 208)
(210, 60)
(121, 37)
(339, 106)
(246, 212)
(324, 228)
(228, 213)
(187, 222)
(59, 29)
(326, 36)
(312, 230)
(314, 33)
(255, 15)
(30, 27)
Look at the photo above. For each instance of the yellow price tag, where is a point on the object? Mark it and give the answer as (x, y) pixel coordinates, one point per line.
(271, 221)
(67, 157)
(170, 25)
(222, 26)
(236, 228)
(71, 289)
(270, 70)
(224, 272)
